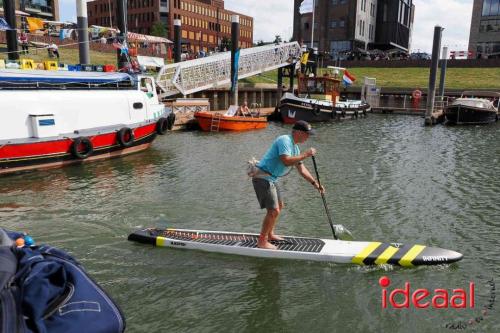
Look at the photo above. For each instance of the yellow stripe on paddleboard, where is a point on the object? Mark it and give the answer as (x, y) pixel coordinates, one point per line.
(410, 255)
(161, 241)
(358, 258)
(386, 255)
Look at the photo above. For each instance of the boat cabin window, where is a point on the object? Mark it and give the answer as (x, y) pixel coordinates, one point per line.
(147, 85)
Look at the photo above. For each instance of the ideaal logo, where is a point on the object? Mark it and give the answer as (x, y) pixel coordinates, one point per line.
(458, 298)
(423, 298)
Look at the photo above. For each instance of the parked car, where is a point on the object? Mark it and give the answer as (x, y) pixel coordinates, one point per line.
(420, 56)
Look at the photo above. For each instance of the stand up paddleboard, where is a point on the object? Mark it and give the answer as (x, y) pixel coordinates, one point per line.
(300, 248)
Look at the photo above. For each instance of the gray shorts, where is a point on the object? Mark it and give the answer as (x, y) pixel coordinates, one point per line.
(268, 193)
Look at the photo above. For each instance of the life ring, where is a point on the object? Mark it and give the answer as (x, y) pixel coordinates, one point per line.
(125, 137)
(416, 94)
(82, 142)
(316, 110)
(162, 125)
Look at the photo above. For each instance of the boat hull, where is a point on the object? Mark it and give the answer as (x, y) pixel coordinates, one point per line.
(293, 109)
(299, 248)
(462, 115)
(57, 152)
(210, 122)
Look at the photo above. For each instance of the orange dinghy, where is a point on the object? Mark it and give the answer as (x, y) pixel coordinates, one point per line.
(214, 122)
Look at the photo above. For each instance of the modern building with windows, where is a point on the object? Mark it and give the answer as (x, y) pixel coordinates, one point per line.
(205, 24)
(484, 38)
(44, 9)
(351, 25)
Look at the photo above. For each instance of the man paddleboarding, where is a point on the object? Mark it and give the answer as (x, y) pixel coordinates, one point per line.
(277, 162)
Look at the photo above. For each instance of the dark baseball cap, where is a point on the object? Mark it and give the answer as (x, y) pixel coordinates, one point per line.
(304, 126)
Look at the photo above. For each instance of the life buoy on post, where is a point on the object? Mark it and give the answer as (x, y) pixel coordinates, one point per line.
(416, 94)
(82, 148)
(125, 137)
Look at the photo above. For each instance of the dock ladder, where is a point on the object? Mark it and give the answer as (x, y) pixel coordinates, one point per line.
(214, 125)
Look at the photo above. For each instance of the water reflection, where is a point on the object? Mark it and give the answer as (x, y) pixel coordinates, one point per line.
(264, 295)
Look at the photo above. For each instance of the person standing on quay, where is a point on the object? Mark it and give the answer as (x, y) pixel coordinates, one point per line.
(283, 154)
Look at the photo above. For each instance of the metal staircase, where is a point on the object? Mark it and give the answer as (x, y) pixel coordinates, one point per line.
(191, 76)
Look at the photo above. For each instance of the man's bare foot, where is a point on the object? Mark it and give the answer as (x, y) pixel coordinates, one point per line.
(266, 245)
(276, 237)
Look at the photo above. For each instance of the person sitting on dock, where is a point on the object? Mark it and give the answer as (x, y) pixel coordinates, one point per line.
(243, 110)
(277, 162)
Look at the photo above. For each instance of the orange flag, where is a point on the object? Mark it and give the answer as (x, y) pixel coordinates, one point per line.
(34, 23)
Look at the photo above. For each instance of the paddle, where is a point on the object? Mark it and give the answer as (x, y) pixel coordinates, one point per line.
(341, 231)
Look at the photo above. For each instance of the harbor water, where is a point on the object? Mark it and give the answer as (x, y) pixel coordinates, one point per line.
(388, 178)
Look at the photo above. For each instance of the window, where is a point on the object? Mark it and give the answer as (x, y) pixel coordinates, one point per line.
(306, 26)
(491, 7)
(333, 24)
(341, 23)
(339, 46)
(335, 2)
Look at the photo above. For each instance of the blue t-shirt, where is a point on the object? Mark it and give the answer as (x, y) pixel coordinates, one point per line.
(271, 162)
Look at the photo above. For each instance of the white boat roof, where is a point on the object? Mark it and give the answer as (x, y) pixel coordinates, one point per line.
(17, 76)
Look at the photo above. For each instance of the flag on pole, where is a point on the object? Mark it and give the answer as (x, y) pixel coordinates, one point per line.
(34, 23)
(4, 25)
(348, 78)
(306, 6)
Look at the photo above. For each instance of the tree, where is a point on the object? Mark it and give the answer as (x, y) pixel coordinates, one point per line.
(159, 29)
(225, 44)
(277, 39)
(260, 43)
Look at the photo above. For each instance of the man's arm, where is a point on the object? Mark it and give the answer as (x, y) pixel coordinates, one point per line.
(304, 172)
(293, 160)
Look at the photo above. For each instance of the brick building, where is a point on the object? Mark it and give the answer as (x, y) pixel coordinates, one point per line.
(484, 38)
(44, 9)
(350, 25)
(205, 23)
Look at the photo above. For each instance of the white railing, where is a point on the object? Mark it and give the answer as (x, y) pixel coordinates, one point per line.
(191, 76)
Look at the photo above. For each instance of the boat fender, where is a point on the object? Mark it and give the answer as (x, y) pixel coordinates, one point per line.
(162, 125)
(125, 137)
(171, 121)
(356, 114)
(343, 113)
(82, 142)
(364, 112)
(316, 110)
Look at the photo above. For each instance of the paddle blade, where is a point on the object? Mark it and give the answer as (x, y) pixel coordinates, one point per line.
(342, 233)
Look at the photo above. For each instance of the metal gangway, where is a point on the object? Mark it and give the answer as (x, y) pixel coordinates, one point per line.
(191, 76)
